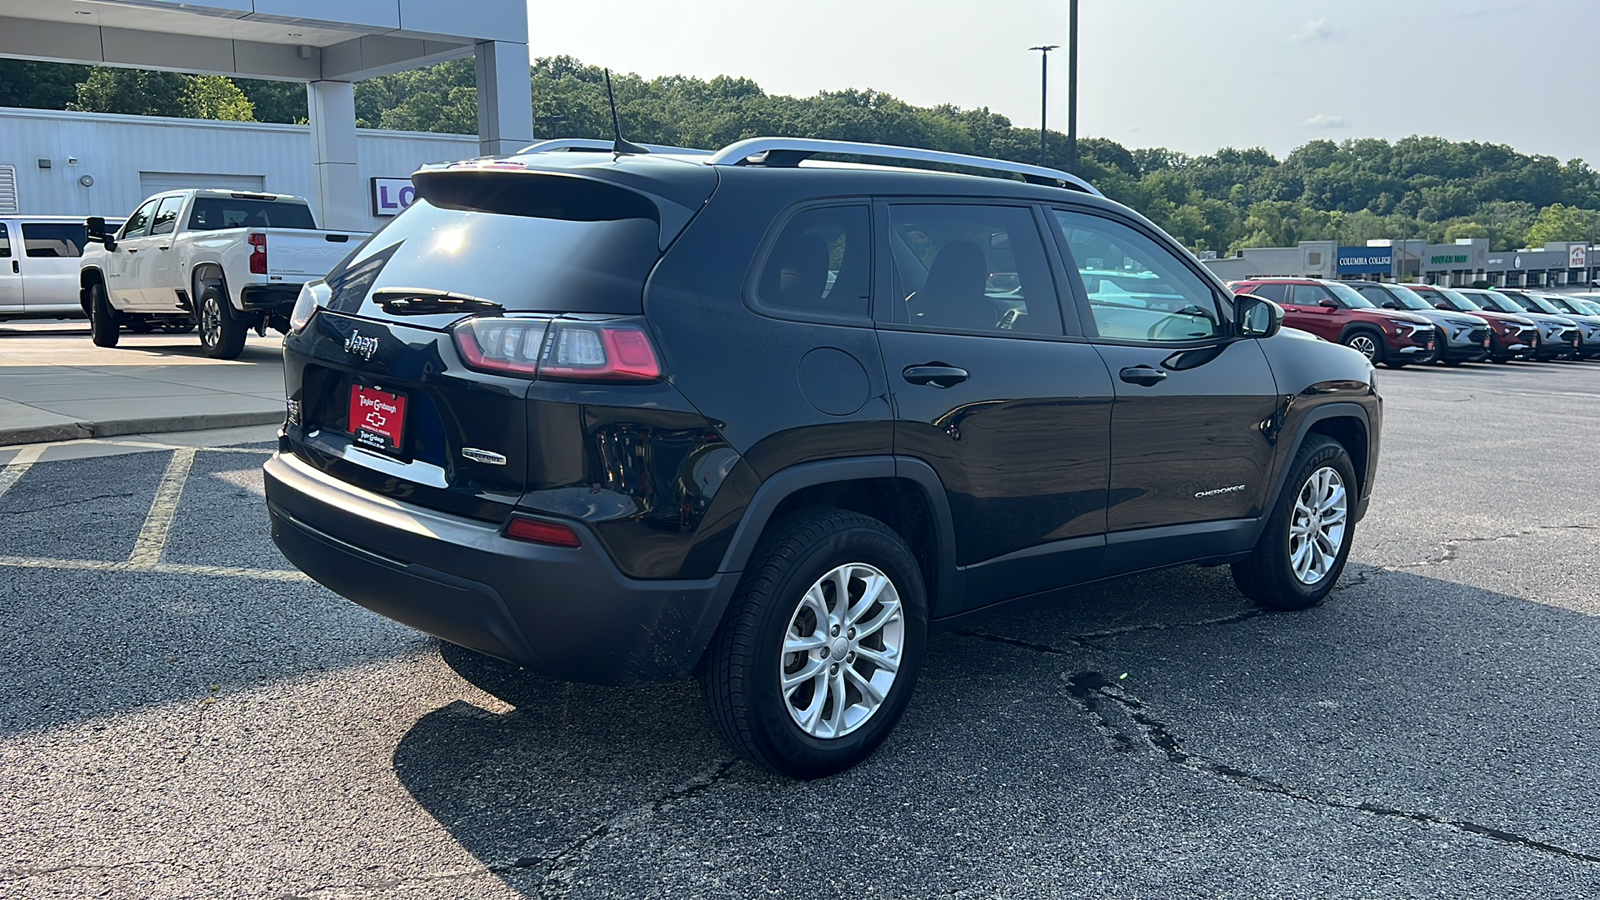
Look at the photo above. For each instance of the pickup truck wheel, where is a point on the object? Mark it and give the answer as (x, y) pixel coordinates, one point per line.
(819, 653)
(221, 335)
(103, 327)
(1306, 541)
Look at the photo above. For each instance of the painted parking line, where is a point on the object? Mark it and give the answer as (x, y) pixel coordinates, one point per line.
(158, 522)
(19, 466)
(158, 568)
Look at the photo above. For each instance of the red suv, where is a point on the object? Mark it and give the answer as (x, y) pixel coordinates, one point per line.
(1340, 314)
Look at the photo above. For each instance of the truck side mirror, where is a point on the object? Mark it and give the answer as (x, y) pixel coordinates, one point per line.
(95, 229)
(1258, 317)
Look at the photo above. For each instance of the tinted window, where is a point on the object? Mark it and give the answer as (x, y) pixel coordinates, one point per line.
(5, 243)
(213, 213)
(971, 268)
(166, 215)
(1138, 290)
(821, 262)
(53, 240)
(1307, 294)
(139, 221)
(1277, 293)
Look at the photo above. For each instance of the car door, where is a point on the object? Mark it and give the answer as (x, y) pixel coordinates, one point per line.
(122, 263)
(1009, 407)
(1306, 301)
(10, 273)
(1189, 442)
(158, 270)
(50, 252)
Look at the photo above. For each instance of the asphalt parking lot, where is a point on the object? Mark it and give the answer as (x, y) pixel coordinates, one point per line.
(181, 715)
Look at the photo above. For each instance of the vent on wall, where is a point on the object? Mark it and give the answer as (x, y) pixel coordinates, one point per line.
(8, 190)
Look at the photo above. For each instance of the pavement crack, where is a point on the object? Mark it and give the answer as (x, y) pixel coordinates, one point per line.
(64, 504)
(1087, 641)
(1448, 549)
(557, 867)
(1130, 726)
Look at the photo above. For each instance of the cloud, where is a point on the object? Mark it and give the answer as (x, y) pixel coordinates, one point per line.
(1316, 32)
(1323, 120)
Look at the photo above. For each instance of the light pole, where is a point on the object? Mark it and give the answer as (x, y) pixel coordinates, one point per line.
(1044, 93)
(1072, 89)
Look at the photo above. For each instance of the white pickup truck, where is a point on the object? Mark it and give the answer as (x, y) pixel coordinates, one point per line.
(224, 261)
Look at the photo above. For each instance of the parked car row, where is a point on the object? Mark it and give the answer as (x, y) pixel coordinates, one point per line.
(1399, 324)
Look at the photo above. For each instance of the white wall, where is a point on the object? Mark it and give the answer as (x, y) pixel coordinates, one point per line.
(115, 149)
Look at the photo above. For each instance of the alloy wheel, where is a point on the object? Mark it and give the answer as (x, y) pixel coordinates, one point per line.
(1363, 345)
(842, 650)
(1317, 526)
(210, 321)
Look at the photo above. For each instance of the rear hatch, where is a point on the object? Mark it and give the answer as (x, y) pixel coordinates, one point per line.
(413, 377)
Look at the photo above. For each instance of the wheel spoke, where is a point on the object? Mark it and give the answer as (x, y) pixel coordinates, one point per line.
(869, 691)
(880, 659)
(803, 643)
(836, 694)
(890, 612)
(806, 673)
(809, 716)
(872, 589)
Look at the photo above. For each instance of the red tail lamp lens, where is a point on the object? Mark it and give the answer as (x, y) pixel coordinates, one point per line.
(536, 532)
(600, 352)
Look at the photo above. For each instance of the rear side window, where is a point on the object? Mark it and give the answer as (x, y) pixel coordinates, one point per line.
(53, 240)
(820, 263)
(970, 268)
(1277, 293)
(5, 243)
(215, 213)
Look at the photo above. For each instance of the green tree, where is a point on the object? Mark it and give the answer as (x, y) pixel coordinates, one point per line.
(215, 97)
(1561, 223)
(131, 91)
(39, 85)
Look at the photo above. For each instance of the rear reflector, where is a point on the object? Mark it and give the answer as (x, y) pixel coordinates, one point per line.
(536, 532)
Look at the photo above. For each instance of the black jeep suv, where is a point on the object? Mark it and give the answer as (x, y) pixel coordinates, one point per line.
(620, 416)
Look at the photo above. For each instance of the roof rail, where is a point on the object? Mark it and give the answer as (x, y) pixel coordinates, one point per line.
(594, 145)
(788, 152)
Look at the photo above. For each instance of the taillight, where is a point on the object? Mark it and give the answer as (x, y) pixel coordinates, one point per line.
(313, 294)
(536, 532)
(568, 351)
(258, 254)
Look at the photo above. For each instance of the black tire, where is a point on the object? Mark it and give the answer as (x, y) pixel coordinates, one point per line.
(742, 675)
(221, 335)
(104, 329)
(1368, 343)
(1267, 576)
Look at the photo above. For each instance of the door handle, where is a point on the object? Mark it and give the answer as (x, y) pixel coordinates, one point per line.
(168, 247)
(936, 374)
(133, 250)
(1143, 375)
(16, 267)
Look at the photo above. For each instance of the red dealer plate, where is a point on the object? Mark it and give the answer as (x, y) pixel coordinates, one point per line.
(377, 418)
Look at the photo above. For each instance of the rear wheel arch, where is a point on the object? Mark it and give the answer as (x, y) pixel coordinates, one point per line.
(203, 275)
(904, 494)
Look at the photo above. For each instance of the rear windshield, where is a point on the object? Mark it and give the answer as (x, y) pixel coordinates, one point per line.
(215, 213)
(523, 263)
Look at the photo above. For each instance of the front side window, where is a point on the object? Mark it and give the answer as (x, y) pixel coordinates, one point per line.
(5, 243)
(166, 215)
(139, 221)
(53, 240)
(1308, 295)
(970, 268)
(1137, 289)
(820, 263)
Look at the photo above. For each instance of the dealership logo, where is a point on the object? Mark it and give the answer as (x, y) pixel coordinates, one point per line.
(392, 196)
(359, 345)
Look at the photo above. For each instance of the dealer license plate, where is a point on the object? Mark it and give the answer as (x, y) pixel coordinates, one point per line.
(377, 418)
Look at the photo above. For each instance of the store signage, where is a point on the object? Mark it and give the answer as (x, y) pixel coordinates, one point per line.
(1366, 260)
(1447, 260)
(391, 196)
(1578, 257)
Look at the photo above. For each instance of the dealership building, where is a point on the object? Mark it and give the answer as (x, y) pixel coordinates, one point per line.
(79, 164)
(1555, 266)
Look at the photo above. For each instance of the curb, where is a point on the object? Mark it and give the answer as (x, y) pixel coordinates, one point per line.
(74, 431)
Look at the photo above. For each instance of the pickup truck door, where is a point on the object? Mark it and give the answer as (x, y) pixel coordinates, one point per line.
(121, 265)
(10, 273)
(158, 270)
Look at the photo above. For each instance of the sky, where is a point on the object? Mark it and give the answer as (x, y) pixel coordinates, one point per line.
(1190, 75)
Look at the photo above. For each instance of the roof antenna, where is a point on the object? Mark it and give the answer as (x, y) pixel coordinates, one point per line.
(620, 146)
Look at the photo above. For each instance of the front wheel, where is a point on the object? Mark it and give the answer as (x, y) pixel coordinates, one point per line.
(104, 329)
(1306, 542)
(818, 656)
(221, 335)
(1367, 344)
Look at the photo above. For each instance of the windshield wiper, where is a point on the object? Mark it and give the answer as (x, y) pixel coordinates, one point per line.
(414, 302)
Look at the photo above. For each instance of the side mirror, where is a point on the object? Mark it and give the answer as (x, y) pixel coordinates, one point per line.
(95, 226)
(1442, 305)
(1390, 304)
(1258, 317)
(1328, 303)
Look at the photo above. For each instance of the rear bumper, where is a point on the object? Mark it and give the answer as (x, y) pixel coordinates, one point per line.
(566, 613)
(269, 297)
